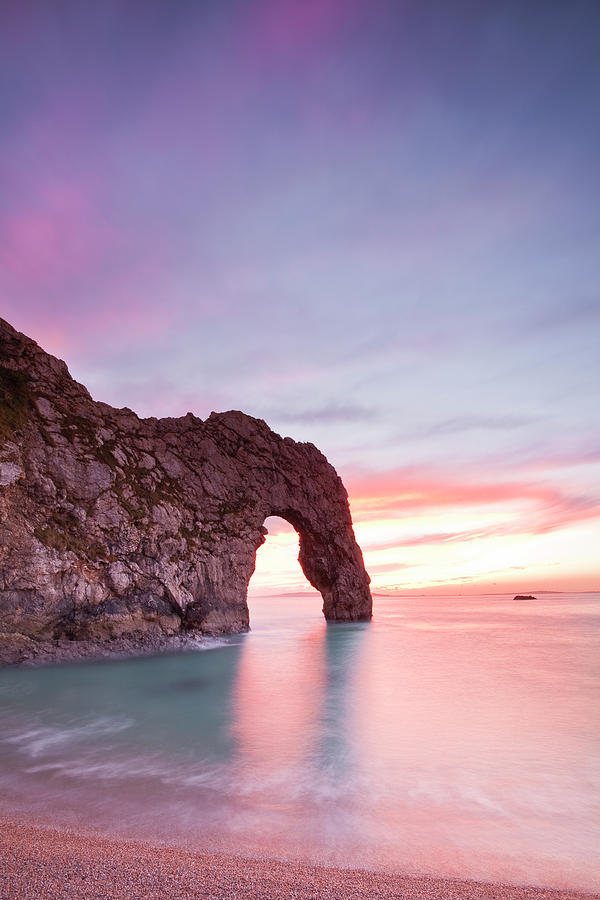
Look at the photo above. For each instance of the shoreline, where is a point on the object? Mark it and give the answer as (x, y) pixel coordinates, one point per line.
(17, 651)
(48, 863)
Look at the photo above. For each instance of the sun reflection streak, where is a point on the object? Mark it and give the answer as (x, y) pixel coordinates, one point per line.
(276, 701)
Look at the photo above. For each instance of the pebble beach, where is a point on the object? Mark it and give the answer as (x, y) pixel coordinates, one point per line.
(47, 864)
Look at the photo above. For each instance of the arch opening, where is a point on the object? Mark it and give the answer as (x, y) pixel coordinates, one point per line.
(277, 568)
(329, 559)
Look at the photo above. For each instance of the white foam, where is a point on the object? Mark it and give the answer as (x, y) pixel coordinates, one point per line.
(39, 740)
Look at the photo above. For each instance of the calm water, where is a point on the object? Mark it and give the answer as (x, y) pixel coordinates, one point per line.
(452, 736)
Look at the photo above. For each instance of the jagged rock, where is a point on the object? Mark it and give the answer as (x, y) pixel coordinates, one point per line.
(524, 597)
(124, 533)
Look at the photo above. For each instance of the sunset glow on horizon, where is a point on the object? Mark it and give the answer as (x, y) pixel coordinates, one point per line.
(373, 225)
(406, 555)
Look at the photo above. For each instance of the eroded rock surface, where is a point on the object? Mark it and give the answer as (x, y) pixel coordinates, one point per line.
(121, 533)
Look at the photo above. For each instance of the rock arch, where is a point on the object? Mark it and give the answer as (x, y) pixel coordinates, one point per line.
(294, 481)
(121, 532)
(332, 562)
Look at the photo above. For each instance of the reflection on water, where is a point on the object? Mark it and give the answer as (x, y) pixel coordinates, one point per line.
(275, 712)
(453, 736)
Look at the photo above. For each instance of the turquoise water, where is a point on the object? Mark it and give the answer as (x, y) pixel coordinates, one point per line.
(450, 736)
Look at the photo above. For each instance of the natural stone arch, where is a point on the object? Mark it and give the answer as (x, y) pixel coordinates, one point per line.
(120, 529)
(321, 560)
(295, 482)
(332, 565)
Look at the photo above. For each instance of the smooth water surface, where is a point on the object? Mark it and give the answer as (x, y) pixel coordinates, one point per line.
(451, 736)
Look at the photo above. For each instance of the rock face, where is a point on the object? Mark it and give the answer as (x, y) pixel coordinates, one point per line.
(121, 533)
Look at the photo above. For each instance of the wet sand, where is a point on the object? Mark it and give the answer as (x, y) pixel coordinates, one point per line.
(46, 863)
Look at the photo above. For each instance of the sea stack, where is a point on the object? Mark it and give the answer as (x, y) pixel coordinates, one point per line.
(121, 533)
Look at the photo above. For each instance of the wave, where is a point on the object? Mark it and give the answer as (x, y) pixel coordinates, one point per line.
(43, 738)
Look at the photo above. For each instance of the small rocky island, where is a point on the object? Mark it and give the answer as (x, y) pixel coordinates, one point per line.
(121, 534)
(524, 597)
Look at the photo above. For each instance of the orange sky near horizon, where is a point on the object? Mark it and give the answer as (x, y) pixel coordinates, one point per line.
(441, 536)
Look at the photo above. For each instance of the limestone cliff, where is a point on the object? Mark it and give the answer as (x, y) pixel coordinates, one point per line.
(124, 533)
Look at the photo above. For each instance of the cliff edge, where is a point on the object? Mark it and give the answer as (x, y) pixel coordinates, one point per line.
(128, 534)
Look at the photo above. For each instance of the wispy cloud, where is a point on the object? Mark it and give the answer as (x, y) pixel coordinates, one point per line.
(442, 537)
(475, 422)
(332, 414)
(382, 568)
(569, 312)
(530, 506)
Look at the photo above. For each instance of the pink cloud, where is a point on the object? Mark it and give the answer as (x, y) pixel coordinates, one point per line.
(398, 493)
(382, 568)
(446, 537)
(284, 28)
(68, 274)
(53, 239)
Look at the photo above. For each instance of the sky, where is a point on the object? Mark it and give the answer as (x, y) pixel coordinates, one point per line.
(373, 224)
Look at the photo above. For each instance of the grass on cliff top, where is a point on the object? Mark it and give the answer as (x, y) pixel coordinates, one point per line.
(15, 400)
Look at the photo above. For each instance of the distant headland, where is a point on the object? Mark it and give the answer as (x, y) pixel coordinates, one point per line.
(126, 534)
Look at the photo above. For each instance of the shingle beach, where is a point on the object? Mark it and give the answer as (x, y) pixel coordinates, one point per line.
(45, 864)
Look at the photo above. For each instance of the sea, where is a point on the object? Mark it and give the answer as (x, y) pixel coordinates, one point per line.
(451, 736)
